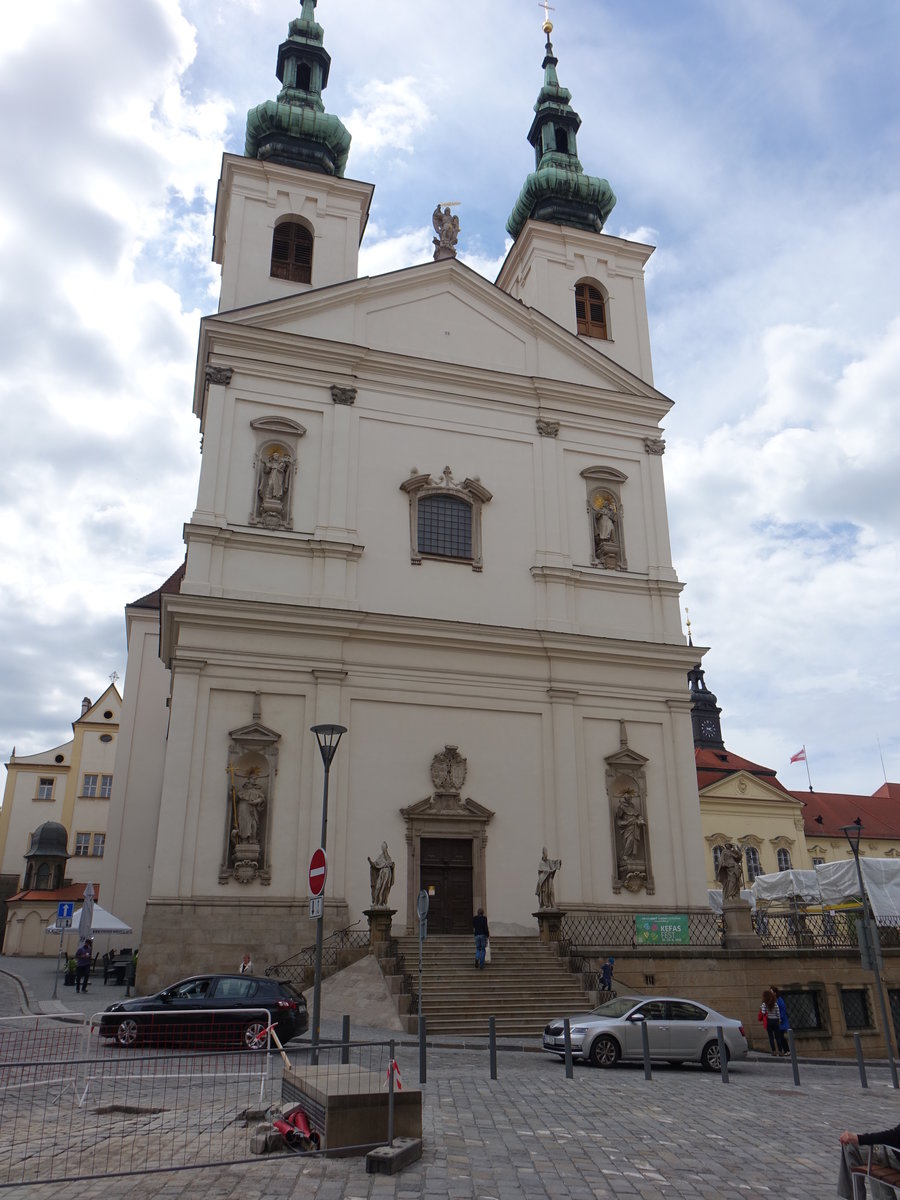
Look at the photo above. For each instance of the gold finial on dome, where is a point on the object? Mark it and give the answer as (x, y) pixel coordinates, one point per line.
(548, 9)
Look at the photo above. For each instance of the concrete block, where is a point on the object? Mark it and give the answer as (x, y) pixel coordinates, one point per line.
(388, 1160)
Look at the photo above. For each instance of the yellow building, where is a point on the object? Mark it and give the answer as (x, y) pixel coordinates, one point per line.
(741, 801)
(63, 790)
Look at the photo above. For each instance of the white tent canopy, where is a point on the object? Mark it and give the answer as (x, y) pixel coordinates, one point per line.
(836, 882)
(103, 922)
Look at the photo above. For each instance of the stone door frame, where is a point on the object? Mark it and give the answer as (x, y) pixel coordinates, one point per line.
(445, 815)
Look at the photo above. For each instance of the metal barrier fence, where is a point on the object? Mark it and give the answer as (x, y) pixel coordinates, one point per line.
(828, 930)
(76, 1106)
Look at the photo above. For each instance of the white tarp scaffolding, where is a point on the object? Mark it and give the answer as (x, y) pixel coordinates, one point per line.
(836, 883)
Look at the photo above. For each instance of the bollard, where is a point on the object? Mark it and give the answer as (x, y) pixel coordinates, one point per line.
(794, 1066)
(492, 1042)
(422, 1035)
(860, 1061)
(345, 1040)
(645, 1046)
(567, 1034)
(723, 1053)
(391, 1093)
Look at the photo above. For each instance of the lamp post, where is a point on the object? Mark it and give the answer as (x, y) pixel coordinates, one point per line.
(853, 833)
(328, 737)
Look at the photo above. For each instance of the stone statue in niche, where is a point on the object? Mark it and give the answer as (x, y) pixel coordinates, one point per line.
(381, 877)
(273, 487)
(630, 826)
(247, 803)
(547, 869)
(250, 801)
(605, 512)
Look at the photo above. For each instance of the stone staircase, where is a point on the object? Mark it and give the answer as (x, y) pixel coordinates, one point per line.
(525, 984)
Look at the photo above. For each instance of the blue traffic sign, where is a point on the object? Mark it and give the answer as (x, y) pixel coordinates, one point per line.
(65, 910)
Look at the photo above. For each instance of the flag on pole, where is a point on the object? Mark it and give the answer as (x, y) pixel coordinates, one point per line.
(800, 756)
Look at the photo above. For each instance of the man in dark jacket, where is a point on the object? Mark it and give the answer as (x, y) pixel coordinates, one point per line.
(482, 933)
(84, 957)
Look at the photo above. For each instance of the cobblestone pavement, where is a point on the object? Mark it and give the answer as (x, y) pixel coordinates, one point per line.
(532, 1133)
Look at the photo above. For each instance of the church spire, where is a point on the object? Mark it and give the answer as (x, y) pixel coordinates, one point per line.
(705, 713)
(558, 191)
(294, 129)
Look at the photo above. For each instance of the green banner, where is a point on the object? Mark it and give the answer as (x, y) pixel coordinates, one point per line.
(666, 929)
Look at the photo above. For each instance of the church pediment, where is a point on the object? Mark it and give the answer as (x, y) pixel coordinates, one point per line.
(447, 805)
(445, 312)
(254, 735)
(744, 787)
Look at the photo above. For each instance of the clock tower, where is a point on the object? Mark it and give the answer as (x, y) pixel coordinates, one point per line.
(705, 713)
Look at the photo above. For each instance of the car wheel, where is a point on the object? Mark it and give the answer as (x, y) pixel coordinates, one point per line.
(710, 1059)
(254, 1037)
(605, 1051)
(128, 1032)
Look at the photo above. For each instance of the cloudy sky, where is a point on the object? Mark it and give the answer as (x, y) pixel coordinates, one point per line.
(757, 145)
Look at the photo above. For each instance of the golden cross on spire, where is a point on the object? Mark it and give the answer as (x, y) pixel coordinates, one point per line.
(548, 9)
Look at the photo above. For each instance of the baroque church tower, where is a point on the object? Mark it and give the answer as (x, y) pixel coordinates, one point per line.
(430, 509)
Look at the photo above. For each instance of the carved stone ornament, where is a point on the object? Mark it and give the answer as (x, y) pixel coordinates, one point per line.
(626, 787)
(343, 395)
(250, 774)
(547, 428)
(218, 375)
(448, 770)
(654, 445)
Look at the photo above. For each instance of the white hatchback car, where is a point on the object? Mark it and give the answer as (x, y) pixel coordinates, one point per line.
(678, 1031)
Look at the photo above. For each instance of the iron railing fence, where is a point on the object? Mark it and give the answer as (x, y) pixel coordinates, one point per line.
(797, 928)
(593, 933)
(298, 969)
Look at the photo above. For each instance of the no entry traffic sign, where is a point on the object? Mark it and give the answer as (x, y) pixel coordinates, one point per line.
(318, 869)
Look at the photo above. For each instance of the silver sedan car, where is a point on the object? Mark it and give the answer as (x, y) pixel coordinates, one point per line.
(678, 1031)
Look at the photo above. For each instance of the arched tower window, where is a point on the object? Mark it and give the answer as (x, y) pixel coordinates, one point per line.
(590, 311)
(304, 76)
(562, 139)
(292, 250)
(42, 883)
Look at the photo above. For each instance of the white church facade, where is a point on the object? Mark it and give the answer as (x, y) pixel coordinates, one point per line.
(431, 509)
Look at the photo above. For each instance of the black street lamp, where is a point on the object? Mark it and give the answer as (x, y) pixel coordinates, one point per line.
(853, 833)
(328, 737)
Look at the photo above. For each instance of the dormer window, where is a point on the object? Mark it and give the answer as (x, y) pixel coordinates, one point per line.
(590, 311)
(292, 248)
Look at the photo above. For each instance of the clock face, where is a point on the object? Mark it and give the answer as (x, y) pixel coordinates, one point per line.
(709, 728)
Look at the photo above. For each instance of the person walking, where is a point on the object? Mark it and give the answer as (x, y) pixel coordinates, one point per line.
(482, 933)
(606, 975)
(771, 1018)
(783, 1023)
(246, 967)
(84, 957)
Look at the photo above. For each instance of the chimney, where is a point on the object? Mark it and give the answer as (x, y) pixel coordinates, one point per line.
(85, 705)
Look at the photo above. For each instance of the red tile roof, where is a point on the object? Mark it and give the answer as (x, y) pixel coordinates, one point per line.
(72, 891)
(879, 813)
(714, 765)
(153, 599)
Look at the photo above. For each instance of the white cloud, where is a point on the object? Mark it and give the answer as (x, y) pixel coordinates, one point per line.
(388, 116)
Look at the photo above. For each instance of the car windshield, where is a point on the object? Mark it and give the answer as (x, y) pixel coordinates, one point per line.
(292, 991)
(615, 1008)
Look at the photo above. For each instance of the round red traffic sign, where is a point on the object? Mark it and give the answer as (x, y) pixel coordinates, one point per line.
(318, 869)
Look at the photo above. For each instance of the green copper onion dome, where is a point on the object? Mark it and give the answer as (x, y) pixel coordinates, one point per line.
(558, 191)
(295, 129)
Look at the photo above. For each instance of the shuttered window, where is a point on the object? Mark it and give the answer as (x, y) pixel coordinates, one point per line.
(292, 247)
(590, 311)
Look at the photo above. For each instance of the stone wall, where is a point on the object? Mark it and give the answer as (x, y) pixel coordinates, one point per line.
(733, 983)
(182, 938)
